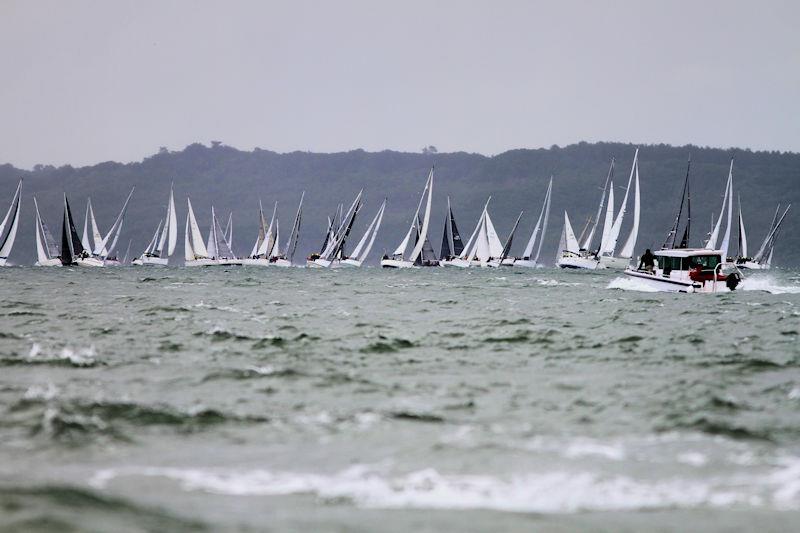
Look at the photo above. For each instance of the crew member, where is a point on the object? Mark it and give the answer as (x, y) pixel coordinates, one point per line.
(647, 261)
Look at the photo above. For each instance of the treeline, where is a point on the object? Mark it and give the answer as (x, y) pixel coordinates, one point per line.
(234, 180)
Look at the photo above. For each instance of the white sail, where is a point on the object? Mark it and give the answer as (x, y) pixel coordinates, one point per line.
(630, 243)
(482, 250)
(426, 219)
(41, 252)
(587, 243)
(529, 247)
(172, 221)
(377, 224)
(401, 249)
(712, 240)
(548, 198)
(469, 249)
(229, 230)
(188, 251)
(370, 233)
(211, 243)
(98, 246)
(276, 248)
(115, 230)
(262, 230)
(294, 235)
(609, 220)
(611, 245)
(11, 235)
(85, 242)
(495, 245)
(726, 240)
(742, 234)
(570, 242)
(198, 247)
(265, 250)
(154, 241)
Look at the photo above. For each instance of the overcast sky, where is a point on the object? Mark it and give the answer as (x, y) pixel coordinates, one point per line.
(84, 82)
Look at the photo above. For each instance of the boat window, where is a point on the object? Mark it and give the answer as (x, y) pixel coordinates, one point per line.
(706, 262)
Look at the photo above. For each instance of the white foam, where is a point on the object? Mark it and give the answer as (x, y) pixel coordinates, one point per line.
(80, 357)
(767, 283)
(628, 283)
(544, 492)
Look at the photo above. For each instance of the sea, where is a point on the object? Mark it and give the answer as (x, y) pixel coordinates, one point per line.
(247, 399)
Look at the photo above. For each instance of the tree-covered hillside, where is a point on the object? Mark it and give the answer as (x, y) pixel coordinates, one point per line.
(234, 180)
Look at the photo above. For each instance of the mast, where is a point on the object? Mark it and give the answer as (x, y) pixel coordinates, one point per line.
(586, 244)
(673, 233)
(294, 236)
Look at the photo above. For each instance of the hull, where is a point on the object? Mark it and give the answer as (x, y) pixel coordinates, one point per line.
(151, 261)
(618, 263)
(750, 265)
(526, 263)
(455, 262)
(580, 263)
(3, 261)
(350, 263)
(255, 262)
(112, 263)
(664, 284)
(211, 262)
(48, 263)
(396, 263)
(507, 262)
(283, 263)
(89, 262)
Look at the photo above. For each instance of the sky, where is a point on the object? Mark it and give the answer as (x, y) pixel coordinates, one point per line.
(91, 81)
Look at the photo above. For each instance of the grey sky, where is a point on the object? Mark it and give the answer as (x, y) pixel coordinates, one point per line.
(109, 80)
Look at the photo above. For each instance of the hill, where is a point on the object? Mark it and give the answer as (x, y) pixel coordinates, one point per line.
(234, 180)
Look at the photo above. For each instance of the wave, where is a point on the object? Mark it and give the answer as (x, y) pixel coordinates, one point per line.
(386, 345)
(554, 491)
(767, 283)
(252, 372)
(68, 508)
(85, 357)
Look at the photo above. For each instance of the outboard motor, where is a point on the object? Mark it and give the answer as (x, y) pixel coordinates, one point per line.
(732, 280)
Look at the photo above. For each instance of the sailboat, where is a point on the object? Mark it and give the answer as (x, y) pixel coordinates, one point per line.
(418, 228)
(47, 252)
(217, 245)
(541, 225)
(285, 258)
(8, 228)
(265, 241)
(452, 245)
(570, 255)
(505, 259)
(762, 260)
(72, 250)
(587, 256)
(155, 253)
(362, 249)
(105, 250)
(608, 247)
(195, 252)
(334, 251)
(672, 242)
(727, 203)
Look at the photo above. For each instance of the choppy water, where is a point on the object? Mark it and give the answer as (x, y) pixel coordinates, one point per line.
(168, 399)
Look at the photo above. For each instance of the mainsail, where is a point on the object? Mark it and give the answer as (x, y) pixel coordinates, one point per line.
(294, 236)
(194, 246)
(587, 243)
(46, 247)
(71, 247)
(711, 244)
(510, 240)
(570, 241)
(420, 232)
(630, 243)
(7, 237)
(364, 246)
(671, 240)
(610, 244)
(742, 249)
(115, 230)
(541, 224)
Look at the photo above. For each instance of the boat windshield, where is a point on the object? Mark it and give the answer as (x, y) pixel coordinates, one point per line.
(706, 262)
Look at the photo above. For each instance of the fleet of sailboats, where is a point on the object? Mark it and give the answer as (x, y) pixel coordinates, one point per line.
(597, 247)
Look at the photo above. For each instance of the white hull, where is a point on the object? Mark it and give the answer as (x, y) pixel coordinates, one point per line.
(89, 262)
(618, 263)
(111, 263)
(750, 265)
(212, 262)
(284, 263)
(150, 261)
(578, 262)
(526, 263)
(396, 263)
(350, 263)
(455, 262)
(256, 262)
(507, 262)
(3, 262)
(48, 263)
(664, 284)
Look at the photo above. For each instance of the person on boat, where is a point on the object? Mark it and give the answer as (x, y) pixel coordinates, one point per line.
(647, 261)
